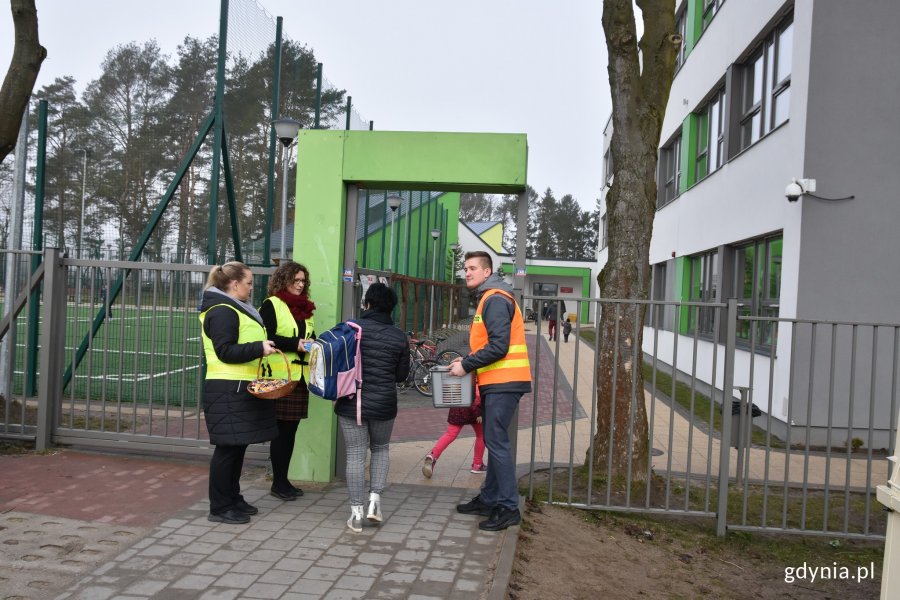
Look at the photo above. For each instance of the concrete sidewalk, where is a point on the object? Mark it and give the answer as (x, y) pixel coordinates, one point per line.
(96, 526)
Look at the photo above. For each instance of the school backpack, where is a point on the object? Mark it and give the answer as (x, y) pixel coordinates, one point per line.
(335, 364)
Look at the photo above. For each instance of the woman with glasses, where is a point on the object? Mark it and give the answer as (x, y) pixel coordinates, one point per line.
(234, 339)
(288, 317)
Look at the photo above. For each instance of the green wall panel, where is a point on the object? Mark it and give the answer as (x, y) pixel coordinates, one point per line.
(688, 152)
(486, 162)
(682, 291)
(318, 243)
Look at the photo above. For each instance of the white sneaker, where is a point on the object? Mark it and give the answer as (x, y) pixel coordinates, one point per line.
(356, 517)
(373, 510)
(428, 467)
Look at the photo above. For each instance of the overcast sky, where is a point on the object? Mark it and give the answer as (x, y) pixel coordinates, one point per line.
(509, 66)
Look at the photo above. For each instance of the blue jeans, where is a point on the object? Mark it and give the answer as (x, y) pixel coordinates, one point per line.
(499, 486)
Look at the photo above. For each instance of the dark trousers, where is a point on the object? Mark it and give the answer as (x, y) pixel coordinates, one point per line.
(280, 451)
(499, 486)
(225, 477)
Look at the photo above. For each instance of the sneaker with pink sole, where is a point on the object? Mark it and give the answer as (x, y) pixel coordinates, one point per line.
(479, 469)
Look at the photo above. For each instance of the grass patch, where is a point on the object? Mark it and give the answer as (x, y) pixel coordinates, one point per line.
(771, 506)
(769, 548)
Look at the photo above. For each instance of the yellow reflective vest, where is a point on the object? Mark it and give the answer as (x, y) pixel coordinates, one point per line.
(249, 330)
(286, 326)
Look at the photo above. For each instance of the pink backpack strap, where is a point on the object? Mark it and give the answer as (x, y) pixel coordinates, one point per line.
(358, 369)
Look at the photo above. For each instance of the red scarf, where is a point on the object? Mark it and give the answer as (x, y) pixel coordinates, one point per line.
(301, 306)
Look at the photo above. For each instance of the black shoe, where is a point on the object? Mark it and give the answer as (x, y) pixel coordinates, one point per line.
(500, 519)
(231, 516)
(475, 507)
(245, 507)
(297, 491)
(282, 495)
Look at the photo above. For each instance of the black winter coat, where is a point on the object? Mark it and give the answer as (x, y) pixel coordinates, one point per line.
(385, 361)
(234, 417)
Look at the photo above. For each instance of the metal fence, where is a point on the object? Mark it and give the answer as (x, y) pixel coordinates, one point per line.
(825, 392)
(808, 426)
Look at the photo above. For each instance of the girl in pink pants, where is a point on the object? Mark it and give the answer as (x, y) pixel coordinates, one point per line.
(458, 418)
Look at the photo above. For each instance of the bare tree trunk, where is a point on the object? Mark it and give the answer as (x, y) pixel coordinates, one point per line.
(28, 54)
(640, 90)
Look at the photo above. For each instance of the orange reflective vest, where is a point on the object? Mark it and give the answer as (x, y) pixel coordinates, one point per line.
(512, 367)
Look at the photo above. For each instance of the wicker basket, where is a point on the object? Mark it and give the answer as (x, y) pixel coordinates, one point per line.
(271, 389)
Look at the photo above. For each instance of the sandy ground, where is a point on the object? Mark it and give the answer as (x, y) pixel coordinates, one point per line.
(563, 554)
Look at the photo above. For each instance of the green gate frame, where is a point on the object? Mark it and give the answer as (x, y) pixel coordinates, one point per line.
(331, 167)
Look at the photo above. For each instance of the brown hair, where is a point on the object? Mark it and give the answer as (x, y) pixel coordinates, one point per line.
(221, 276)
(284, 275)
(485, 258)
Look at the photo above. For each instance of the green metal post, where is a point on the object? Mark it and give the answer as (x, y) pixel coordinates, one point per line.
(318, 94)
(37, 237)
(232, 202)
(349, 104)
(365, 256)
(270, 175)
(419, 240)
(383, 226)
(219, 112)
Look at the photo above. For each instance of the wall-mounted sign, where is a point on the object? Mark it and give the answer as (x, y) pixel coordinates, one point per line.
(565, 290)
(520, 272)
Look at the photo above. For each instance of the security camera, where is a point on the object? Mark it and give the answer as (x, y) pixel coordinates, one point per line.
(793, 191)
(798, 187)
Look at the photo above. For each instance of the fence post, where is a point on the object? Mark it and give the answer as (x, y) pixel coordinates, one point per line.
(50, 359)
(727, 395)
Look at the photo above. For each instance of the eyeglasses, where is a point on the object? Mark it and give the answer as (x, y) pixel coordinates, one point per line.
(299, 282)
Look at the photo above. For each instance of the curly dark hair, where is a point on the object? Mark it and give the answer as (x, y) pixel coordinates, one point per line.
(283, 277)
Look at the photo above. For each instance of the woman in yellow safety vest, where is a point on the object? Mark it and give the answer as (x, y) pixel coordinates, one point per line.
(288, 316)
(234, 339)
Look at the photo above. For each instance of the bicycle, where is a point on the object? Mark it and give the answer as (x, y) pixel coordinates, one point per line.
(425, 349)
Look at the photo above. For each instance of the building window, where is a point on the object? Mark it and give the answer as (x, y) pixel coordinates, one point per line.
(704, 278)
(603, 232)
(681, 28)
(670, 172)
(710, 8)
(757, 272)
(660, 315)
(710, 136)
(608, 166)
(766, 85)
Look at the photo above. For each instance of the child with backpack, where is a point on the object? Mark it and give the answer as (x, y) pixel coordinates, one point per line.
(567, 329)
(365, 414)
(458, 418)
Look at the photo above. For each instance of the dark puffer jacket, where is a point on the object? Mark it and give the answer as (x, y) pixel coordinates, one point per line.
(234, 417)
(385, 361)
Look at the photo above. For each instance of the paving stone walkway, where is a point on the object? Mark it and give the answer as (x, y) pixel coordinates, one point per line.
(303, 550)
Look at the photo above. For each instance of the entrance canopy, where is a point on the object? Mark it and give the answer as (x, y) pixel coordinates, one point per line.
(331, 167)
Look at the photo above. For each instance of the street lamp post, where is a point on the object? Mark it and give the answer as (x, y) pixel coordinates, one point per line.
(286, 131)
(393, 203)
(84, 153)
(435, 234)
(455, 248)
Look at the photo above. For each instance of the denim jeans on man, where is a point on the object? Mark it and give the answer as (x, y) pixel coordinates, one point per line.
(499, 486)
